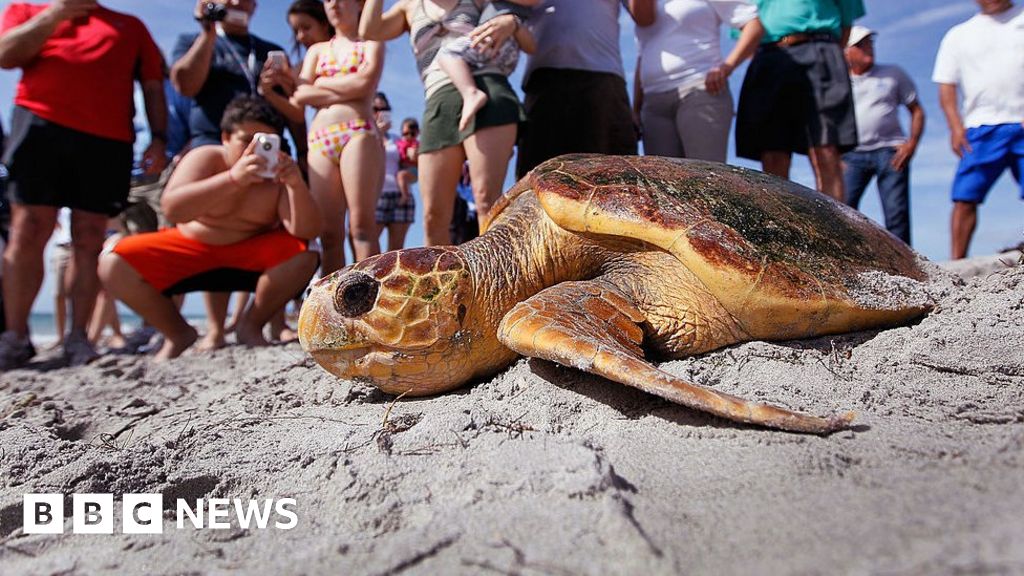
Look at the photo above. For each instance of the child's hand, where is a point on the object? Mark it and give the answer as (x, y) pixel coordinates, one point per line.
(246, 171)
(288, 172)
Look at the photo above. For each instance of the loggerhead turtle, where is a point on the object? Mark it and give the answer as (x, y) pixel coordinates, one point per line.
(592, 261)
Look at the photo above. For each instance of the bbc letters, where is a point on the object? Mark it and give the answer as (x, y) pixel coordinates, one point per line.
(144, 513)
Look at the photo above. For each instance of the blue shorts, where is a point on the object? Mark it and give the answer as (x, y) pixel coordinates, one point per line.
(994, 149)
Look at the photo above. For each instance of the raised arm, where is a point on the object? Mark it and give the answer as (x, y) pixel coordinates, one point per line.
(375, 24)
(361, 84)
(642, 11)
(19, 45)
(950, 107)
(750, 37)
(190, 71)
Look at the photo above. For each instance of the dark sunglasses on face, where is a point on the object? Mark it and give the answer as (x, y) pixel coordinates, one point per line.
(378, 109)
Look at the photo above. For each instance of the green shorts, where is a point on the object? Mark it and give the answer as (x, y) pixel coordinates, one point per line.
(440, 126)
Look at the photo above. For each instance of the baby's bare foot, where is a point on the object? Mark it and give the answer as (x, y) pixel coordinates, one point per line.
(470, 106)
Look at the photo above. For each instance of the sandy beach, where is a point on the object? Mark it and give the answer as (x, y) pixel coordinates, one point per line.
(546, 470)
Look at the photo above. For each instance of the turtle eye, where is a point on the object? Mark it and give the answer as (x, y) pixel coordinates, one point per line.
(355, 294)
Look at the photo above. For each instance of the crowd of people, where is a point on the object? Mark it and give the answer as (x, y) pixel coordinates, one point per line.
(222, 204)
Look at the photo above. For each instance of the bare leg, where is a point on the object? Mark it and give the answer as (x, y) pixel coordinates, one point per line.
(60, 301)
(279, 329)
(964, 220)
(440, 171)
(276, 286)
(776, 163)
(828, 171)
(362, 175)
(87, 230)
(396, 235)
(473, 99)
(241, 301)
(405, 179)
(489, 151)
(124, 283)
(216, 313)
(98, 323)
(325, 186)
(31, 227)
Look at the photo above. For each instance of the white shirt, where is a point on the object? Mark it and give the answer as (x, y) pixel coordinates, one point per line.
(985, 57)
(877, 97)
(682, 45)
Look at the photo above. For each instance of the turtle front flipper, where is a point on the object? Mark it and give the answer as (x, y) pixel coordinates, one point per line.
(593, 327)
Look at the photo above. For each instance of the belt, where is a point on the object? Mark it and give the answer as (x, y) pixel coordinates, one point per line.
(802, 37)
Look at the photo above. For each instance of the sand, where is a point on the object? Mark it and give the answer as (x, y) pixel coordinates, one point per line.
(545, 470)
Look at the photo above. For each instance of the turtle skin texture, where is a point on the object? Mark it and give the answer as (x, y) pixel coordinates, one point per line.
(603, 262)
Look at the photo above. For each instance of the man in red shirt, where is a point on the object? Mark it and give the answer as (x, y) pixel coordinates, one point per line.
(71, 145)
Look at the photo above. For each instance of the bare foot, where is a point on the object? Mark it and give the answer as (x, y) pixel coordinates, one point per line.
(116, 341)
(470, 106)
(286, 334)
(212, 341)
(250, 335)
(176, 344)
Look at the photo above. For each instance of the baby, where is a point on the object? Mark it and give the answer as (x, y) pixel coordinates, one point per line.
(458, 59)
(408, 145)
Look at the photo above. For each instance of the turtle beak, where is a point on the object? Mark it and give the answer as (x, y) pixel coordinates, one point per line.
(322, 331)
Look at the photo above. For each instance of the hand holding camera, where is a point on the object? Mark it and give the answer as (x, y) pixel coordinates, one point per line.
(250, 168)
(209, 13)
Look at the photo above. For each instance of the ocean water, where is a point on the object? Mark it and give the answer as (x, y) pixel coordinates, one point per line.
(43, 326)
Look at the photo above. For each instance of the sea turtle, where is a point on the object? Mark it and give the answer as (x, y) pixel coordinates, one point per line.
(599, 262)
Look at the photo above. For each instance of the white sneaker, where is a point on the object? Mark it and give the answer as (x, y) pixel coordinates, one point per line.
(78, 350)
(15, 350)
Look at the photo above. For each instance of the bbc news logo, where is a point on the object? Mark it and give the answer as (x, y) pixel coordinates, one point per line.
(143, 513)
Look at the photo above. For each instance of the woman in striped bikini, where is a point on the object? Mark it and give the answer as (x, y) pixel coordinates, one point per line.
(346, 157)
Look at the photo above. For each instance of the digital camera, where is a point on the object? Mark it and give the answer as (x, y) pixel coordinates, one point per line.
(213, 12)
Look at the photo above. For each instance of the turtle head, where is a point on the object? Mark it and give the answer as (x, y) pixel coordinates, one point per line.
(397, 320)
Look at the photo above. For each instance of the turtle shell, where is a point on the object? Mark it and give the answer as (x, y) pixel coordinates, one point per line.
(778, 256)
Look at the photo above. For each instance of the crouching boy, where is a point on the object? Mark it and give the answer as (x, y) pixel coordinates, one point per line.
(236, 230)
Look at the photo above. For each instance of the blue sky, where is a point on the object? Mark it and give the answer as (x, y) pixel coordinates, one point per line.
(909, 35)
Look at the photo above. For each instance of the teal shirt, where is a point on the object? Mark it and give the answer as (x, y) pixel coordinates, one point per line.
(783, 17)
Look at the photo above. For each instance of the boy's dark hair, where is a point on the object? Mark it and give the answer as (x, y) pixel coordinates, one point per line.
(250, 109)
(414, 123)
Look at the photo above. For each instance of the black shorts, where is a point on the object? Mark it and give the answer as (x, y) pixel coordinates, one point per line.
(795, 98)
(574, 111)
(51, 165)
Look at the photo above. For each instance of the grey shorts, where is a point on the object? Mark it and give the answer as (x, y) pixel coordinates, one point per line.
(795, 98)
(440, 126)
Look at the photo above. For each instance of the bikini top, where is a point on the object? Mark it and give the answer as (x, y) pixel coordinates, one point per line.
(327, 63)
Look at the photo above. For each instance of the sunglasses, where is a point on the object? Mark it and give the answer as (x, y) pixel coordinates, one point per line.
(376, 109)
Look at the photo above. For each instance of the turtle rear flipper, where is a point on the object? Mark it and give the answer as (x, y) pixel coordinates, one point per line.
(593, 327)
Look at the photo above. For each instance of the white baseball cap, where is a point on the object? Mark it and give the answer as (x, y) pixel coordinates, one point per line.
(858, 33)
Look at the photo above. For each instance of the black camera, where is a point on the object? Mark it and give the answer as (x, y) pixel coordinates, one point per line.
(213, 12)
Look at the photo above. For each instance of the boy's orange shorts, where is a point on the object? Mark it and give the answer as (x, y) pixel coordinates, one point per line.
(166, 258)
